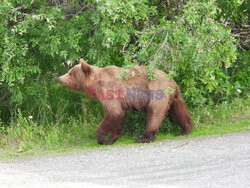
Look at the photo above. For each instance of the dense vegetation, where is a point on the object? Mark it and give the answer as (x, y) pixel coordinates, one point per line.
(203, 45)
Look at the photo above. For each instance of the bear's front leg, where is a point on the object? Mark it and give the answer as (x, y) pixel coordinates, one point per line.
(101, 136)
(111, 124)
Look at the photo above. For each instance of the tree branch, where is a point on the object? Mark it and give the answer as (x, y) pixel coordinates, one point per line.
(4, 96)
(164, 42)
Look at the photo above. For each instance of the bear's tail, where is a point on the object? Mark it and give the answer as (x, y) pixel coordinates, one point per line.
(180, 113)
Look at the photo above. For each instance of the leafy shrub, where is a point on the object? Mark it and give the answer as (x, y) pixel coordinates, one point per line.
(189, 40)
(196, 50)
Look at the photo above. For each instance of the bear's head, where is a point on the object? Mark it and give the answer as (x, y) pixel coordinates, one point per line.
(79, 77)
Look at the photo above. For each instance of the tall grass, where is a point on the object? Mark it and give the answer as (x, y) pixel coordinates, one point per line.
(222, 113)
(27, 134)
(60, 118)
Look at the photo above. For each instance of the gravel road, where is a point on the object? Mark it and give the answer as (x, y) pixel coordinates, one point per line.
(214, 161)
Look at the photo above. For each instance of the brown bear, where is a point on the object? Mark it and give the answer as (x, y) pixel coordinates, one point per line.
(120, 89)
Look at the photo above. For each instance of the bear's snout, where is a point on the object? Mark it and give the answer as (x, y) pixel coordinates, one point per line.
(59, 80)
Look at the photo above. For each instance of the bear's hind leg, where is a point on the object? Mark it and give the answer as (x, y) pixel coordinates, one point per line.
(154, 120)
(180, 113)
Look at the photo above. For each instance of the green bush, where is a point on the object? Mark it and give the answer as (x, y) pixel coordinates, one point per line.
(189, 40)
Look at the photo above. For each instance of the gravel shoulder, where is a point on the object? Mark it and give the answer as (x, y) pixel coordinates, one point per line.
(214, 161)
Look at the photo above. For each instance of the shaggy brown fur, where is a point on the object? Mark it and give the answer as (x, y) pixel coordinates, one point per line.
(106, 80)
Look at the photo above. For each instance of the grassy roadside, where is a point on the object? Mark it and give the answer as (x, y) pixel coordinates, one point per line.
(243, 125)
(28, 139)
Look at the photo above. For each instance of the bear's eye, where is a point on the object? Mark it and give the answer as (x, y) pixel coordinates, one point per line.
(70, 74)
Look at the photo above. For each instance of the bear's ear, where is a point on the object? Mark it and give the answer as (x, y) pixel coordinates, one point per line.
(85, 67)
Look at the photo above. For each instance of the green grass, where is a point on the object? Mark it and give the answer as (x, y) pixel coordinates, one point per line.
(217, 129)
(26, 137)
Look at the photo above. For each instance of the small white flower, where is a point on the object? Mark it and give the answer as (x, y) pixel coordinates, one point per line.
(239, 90)
(30, 117)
